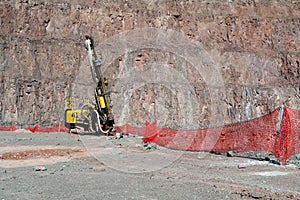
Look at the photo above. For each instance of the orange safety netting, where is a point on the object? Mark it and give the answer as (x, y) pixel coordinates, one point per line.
(37, 128)
(259, 134)
(277, 133)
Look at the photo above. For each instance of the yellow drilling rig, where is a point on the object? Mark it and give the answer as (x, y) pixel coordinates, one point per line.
(91, 117)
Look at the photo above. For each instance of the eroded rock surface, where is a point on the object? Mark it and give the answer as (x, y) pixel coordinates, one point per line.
(255, 43)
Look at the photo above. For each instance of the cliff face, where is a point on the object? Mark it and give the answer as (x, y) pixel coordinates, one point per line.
(254, 46)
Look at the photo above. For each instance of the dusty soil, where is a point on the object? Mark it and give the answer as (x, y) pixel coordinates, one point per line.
(44, 153)
(101, 167)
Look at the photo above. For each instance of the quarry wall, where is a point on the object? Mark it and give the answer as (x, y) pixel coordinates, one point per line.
(253, 44)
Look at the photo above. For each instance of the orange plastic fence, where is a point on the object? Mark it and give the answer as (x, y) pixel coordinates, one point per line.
(259, 134)
(288, 142)
(271, 133)
(37, 128)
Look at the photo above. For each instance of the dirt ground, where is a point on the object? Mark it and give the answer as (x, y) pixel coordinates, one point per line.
(66, 166)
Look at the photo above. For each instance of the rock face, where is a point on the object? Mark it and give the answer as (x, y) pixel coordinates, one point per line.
(212, 62)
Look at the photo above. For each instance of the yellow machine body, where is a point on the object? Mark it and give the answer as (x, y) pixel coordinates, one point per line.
(73, 115)
(102, 102)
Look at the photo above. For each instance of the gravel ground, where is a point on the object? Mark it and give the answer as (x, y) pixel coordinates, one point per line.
(109, 168)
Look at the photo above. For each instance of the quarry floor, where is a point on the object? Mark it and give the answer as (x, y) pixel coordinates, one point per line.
(68, 166)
